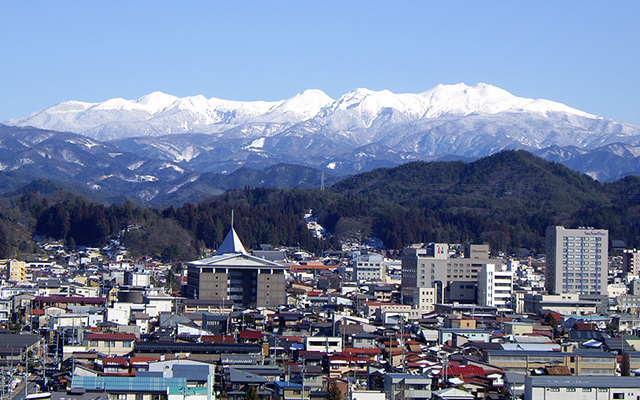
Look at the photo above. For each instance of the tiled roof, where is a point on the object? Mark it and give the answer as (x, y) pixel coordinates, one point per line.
(247, 334)
(464, 371)
(111, 336)
(122, 361)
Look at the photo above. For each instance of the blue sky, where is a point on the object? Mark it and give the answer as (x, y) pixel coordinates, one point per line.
(584, 54)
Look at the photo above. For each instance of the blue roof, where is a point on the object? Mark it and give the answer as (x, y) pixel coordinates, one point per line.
(125, 384)
(191, 372)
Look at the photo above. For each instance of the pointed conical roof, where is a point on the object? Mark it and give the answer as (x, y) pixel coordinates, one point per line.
(231, 244)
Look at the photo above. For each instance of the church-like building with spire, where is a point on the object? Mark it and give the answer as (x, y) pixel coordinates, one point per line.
(236, 277)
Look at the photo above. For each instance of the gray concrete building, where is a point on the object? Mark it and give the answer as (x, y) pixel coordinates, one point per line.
(577, 260)
(453, 278)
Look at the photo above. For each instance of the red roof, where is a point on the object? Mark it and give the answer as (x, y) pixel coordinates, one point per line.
(217, 339)
(142, 361)
(296, 339)
(246, 334)
(121, 361)
(111, 336)
(465, 371)
(353, 350)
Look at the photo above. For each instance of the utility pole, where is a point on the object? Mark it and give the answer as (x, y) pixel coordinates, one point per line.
(26, 376)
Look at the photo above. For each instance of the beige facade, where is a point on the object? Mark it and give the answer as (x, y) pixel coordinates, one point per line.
(631, 262)
(16, 270)
(116, 344)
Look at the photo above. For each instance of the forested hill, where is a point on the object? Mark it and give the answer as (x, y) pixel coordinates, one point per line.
(512, 179)
(506, 200)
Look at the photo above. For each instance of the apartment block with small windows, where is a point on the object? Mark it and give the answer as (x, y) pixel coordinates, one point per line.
(368, 268)
(577, 260)
(581, 387)
(495, 287)
(631, 262)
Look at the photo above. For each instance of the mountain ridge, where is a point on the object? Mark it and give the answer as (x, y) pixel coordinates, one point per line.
(359, 131)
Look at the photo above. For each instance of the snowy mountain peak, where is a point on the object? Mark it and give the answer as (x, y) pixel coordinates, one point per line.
(157, 101)
(461, 99)
(306, 104)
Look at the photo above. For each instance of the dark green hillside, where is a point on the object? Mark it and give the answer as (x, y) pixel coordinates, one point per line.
(506, 179)
(506, 200)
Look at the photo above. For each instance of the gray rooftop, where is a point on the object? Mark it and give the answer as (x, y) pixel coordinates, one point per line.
(585, 381)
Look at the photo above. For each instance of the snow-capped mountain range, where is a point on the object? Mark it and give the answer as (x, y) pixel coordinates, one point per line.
(360, 130)
(159, 114)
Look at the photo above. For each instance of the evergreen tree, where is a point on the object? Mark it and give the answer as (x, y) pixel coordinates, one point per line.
(252, 393)
(334, 392)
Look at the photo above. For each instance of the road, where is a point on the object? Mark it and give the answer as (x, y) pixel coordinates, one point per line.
(18, 392)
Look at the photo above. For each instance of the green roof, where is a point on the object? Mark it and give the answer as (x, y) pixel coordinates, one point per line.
(126, 383)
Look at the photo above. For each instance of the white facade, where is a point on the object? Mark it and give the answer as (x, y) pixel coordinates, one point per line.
(323, 343)
(369, 268)
(495, 287)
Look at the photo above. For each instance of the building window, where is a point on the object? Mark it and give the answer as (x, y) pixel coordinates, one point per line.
(571, 389)
(586, 389)
(618, 395)
(554, 389)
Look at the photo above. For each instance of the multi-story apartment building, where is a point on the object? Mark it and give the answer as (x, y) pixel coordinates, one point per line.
(236, 277)
(631, 262)
(495, 287)
(577, 260)
(368, 268)
(16, 270)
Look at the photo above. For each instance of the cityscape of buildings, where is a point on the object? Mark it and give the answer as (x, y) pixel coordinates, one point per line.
(436, 321)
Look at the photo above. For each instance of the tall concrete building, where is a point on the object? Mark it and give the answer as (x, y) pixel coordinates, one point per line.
(631, 262)
(495, 287)
(237, 277)
(577, 260)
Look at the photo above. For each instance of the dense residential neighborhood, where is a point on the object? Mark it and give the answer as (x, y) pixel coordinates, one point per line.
(436, 321)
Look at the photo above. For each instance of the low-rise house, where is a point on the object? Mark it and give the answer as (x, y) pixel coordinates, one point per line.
(407, 386)
(290, 391)
(345, 366)
(364, 340)
(475, 335)
(323, 344)
(111, 344)
(236, 383)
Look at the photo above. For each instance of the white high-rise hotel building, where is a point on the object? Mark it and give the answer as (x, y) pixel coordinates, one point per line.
(577, 260)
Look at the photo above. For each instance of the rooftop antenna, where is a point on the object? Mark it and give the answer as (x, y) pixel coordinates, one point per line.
(232, 218)
(322, 181)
